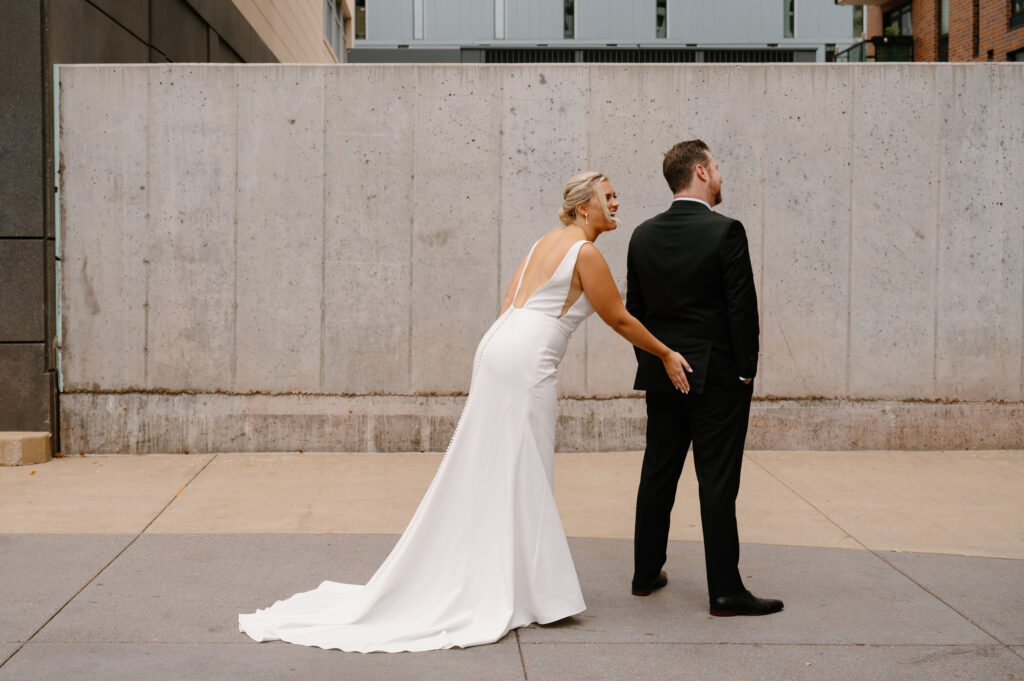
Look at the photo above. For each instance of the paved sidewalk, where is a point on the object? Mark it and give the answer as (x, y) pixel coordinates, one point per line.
(893, 565)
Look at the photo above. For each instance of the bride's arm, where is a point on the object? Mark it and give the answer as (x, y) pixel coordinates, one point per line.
(604, 297)
(510, 292)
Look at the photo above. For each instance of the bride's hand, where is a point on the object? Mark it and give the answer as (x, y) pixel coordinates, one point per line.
(676, 367)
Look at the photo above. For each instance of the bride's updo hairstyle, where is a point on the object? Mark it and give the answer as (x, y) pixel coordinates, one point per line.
(578, 190)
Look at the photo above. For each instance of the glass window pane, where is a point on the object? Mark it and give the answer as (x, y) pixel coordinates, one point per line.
(788, 18)
(660, 15)
(569, 12)
(417, 19)
(499, 19)
(858, 21)
(360, 19)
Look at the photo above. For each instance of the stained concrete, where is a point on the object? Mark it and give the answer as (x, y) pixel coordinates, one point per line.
(362, 250)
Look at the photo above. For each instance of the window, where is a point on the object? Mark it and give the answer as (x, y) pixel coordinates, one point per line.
(1016, 14)
(660, 18)
(943, 30)
(360, 19)
(1015, 56)
(896, 22)
(499, 19)
(569, 14)
(788, 18)
(858, 22)
(333, 15)
(976, 31)
(417, 19)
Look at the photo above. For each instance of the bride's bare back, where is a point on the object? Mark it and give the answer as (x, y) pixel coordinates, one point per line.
(541, 264)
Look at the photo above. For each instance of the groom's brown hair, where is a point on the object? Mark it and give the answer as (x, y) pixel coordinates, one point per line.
(680, 162)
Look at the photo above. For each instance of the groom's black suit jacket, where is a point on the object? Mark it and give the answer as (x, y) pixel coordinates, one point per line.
(689, 281)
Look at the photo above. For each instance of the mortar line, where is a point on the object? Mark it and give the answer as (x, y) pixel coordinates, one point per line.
(881, 558)
(108, 564)
(522, 660)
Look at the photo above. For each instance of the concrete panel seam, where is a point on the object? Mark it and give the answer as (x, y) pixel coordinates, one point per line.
(936, 252)
(323, 229)
(850, 224)
(234, 238)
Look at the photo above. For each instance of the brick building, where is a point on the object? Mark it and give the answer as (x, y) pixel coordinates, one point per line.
(943, 30)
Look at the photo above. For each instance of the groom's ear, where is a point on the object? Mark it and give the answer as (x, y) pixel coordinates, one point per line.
(700, 172)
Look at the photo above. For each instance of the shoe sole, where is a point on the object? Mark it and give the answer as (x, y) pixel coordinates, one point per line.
(734, 613)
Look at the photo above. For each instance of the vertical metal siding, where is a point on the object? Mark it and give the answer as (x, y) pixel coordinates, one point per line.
(756, 21)
(615, 20)
(535, 20)
(389, 20)
(459, 20)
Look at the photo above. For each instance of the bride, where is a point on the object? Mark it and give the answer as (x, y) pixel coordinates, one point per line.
(485, 552)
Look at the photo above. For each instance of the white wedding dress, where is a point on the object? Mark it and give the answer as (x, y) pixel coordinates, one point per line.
(485, 551)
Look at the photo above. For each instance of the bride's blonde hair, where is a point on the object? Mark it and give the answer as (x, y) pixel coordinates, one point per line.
(578, 190)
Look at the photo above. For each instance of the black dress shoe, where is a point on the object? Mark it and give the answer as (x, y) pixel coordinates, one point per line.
(743, 603)
(647, 589)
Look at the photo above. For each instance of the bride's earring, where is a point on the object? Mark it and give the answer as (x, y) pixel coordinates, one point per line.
(586, 219)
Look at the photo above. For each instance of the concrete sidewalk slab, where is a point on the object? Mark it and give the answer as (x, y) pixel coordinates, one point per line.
(302, 493)
(989, 592)
(92, 495)
(929, 502)
(373, 493)
(40, 573)
(255, 662)
(191, 588)
(671, 662)
(596, 496)
(832, 596)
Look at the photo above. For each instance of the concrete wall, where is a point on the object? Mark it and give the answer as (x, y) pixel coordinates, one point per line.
(297, 257)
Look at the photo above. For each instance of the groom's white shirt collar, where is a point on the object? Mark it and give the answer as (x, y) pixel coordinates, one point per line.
(687, 198)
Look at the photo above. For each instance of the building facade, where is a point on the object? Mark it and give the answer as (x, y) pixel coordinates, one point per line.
(35, 35)
(494, 31)
(942, 30)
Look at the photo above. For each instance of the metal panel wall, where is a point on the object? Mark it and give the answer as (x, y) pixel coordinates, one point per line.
(616, 21)
(389, 20)
(539, 20)
(757, 21)
(466, 20)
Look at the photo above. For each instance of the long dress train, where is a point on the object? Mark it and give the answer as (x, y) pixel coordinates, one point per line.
(485, 551)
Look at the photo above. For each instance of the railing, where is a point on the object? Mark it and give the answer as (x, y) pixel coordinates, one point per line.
(853, 53)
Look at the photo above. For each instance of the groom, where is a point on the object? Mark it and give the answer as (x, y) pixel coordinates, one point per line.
(689, 281)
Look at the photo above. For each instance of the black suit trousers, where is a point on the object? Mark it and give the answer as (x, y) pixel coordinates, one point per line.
(716, 423)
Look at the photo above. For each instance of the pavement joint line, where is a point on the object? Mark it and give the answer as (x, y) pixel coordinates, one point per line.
(108, 564)
(880, 557)
(522, 660)
(764, 644)
(807, 501)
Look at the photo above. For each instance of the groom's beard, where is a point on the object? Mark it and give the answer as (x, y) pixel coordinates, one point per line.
(718, 197)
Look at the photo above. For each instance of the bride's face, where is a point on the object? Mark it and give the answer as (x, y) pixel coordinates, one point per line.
(596, 209)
